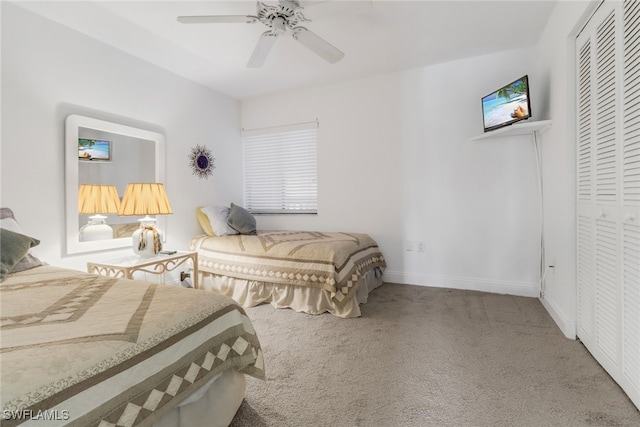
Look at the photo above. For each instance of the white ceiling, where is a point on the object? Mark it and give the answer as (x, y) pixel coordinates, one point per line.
(376, 36)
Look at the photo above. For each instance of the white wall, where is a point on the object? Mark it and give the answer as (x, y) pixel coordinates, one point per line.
(414, 175)
(50, 71)
(556, 65)
(395, 161)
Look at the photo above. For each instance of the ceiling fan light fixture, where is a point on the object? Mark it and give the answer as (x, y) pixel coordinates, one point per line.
(279, 25)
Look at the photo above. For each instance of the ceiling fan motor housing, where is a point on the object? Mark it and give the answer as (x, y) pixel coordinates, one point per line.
(287, 13)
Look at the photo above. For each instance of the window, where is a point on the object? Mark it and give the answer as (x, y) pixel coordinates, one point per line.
(280, 169)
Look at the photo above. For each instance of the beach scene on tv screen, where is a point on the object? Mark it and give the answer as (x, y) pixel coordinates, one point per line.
(93, 149)
(506, 104)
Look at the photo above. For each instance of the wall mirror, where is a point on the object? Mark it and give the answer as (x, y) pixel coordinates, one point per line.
(101, 152)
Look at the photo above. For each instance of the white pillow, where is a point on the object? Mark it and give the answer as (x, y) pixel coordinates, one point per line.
(10, 224)
(218, 219)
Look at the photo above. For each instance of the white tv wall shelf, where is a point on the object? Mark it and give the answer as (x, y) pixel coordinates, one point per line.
(523, 128)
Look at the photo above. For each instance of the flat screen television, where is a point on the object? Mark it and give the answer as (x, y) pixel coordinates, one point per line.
(507, 105)
(94, 149)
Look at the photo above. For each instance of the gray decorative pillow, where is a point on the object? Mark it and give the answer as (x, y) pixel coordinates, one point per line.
(6, 213)
(8, 221)
(13, 247)
(27, 263)
(241, 220)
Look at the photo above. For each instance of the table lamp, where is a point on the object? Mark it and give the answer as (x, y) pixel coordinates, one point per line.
(145, 199)
(97, 200)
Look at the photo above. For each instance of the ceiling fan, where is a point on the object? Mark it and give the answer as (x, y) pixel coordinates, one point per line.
(281, 19)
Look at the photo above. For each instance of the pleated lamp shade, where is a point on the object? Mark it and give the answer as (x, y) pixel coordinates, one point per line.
(147, 198)
(98, 199)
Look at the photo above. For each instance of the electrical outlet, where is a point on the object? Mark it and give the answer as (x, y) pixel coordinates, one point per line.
(421, 246)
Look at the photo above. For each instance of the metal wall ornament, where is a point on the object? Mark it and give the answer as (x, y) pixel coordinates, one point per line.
(201, 161)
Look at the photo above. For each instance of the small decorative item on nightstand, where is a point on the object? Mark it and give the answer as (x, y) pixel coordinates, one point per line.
(146, 199)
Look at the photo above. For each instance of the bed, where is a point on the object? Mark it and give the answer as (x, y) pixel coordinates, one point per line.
(86, 350)
(311, 272)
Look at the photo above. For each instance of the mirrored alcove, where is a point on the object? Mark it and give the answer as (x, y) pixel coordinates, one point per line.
(106, 153)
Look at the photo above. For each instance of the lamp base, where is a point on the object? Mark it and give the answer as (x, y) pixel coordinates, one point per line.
(147, 240)
(95, 229)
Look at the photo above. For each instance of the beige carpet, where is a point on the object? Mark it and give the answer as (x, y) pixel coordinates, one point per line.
(428, 357)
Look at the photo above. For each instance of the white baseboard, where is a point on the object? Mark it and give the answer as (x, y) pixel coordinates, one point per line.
(523, 289)
(568, 327)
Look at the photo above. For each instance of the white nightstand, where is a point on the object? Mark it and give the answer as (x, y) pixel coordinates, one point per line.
(125, 266)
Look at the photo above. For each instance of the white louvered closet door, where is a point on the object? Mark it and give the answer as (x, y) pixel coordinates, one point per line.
(608, 190)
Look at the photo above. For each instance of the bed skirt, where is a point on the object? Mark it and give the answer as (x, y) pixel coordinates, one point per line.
(215, 406)
(249, 293)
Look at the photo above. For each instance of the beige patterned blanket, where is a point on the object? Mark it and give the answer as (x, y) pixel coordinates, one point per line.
(331, 261)
(85, 350)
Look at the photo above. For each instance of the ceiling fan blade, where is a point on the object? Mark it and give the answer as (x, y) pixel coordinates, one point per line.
(317, 45)
(216, 19)
(262, 49)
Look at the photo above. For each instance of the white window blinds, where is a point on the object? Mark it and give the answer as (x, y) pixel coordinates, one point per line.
(280, 169)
